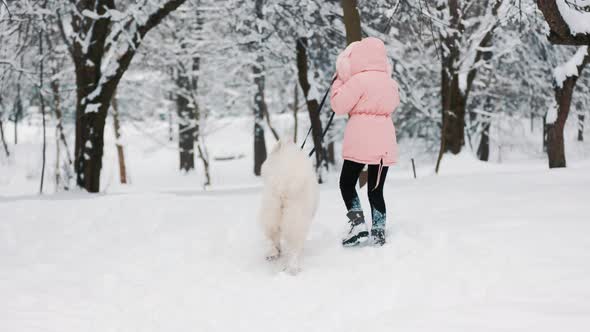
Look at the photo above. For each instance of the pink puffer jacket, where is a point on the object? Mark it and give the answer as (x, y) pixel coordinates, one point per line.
(365, 90)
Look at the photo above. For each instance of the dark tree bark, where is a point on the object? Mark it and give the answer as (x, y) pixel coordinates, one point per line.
(170, 122)
(312, 104)
(186, 124)
(3, 140)
(259, 102)
(95, 89)
(259, 106)
(2, 130)
(295, 111)
(331, 153)
(545, 130)
(483, 151)
(563, 97)
(453, 104)
(42, 101)
(560, 33)
(581, 119)
(352, 21)
(17, 112)
(454, 100)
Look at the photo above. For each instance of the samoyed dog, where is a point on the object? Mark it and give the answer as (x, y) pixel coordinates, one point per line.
(289, 201)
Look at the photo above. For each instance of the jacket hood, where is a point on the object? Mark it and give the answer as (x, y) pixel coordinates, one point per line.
(366, 55)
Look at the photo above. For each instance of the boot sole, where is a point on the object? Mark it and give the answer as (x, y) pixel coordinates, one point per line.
(359, 239)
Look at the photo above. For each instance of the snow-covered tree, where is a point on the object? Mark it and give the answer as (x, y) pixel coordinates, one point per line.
(570, 25)
(102, 40)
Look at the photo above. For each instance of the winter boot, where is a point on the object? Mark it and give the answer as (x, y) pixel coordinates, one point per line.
(378, 236)
(358, 233)
(378, 228)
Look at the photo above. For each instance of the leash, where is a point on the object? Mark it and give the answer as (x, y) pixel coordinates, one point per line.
(324, 133)
(329, 121)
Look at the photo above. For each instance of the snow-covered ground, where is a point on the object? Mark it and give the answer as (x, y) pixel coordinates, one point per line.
(483, 247)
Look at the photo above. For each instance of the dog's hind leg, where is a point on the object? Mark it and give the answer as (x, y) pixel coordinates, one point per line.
(274, 236)
(295, 229)
(270, 219)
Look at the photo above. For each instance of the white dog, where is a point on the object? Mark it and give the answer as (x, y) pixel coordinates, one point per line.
(289, 202)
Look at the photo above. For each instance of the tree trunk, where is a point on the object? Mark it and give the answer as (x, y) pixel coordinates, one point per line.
(15, 131)
(295, 111)
(555, 146)
(94, 88)
(312, 104)
(42, 101)
(259, 102)
(170, 124)
(545, 132)
(197, 134)
(60, 138)
(581, 118)
(59, 117)
(331, 154)
(120, 152)
(186, 124)
(352, 21)
(89, 147)
(454, 99)
(563, 97)
(259, 105)
(58, 177)
(17, 113)
(454, 104)
(560, 34)
(483, 151)
(205, 159)
(555, 143)
(3, 140)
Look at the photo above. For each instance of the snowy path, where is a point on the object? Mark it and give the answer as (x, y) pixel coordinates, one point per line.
(483, 252)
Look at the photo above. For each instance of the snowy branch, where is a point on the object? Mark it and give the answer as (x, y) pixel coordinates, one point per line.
(572, 67)
(573, 32)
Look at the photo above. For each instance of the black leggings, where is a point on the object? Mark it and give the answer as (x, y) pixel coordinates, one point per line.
(348, 179)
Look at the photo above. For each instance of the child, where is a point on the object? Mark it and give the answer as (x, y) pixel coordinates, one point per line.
(366, 92)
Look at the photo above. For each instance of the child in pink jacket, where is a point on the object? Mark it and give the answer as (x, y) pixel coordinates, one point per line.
(366, 92)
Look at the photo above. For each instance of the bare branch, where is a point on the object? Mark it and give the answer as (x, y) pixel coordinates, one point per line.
(7, 8)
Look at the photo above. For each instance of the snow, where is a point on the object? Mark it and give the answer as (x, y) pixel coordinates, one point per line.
(93, 108)
(481, 247)
(551, 116)
(570, 68)
(91, 14)
(577, 20)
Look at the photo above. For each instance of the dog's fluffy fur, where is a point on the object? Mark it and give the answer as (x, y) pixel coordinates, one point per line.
(289, 201)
